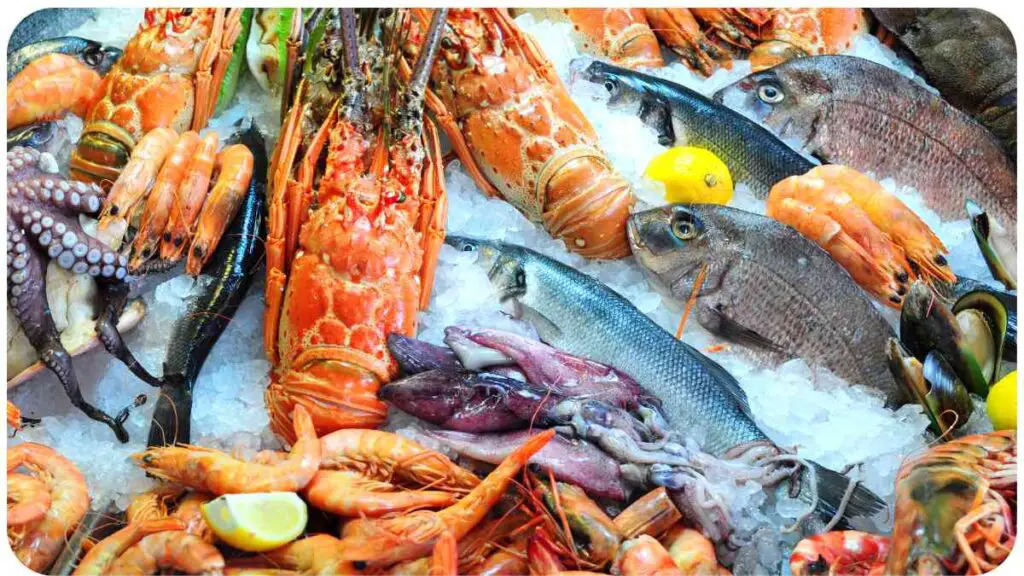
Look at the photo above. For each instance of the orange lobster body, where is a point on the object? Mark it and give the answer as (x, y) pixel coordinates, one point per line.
(355, 267)
(519, 134)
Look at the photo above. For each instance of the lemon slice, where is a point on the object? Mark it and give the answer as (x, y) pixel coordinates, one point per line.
(692, 176)
(1001, 403)
(256, 522)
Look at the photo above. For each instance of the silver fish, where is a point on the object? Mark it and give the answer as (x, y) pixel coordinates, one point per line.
(576, 313)
(767, 288)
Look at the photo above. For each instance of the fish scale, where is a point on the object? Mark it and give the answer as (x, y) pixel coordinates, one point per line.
(851, 111)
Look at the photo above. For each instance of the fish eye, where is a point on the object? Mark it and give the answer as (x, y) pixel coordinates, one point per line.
(770, 94)
(468, 248)
(684, 228)
(611, 86)
(520, 277)
(92, 58)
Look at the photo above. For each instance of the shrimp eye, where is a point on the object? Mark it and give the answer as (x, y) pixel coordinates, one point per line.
(684, 228)
(770, 94)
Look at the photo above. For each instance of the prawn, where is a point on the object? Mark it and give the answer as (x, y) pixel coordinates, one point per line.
(214, 471)
(50, 86)
(175, 550)
(105, 552)
(138, 175)
(348, 493)
(234, 168)
(645, 556)
(28, 499)
(192, 193)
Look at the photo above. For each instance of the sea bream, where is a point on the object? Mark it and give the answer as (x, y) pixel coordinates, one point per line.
(679, 115)
(575, 313)
(766, 288)
(851, 111)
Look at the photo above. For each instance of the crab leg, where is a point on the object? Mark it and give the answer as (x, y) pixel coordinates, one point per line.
(206, 90)
(232, 29)
(26, 293)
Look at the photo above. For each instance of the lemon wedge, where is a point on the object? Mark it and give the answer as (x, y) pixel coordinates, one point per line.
(1001, 403)
(692, 176)
(256, 522)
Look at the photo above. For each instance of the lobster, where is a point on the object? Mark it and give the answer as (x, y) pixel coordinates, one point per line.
(351, 259)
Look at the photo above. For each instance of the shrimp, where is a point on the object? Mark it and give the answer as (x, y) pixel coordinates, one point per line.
(645, 556)
(542, 556)
(189, 511)
(377, 454)
(651, 514)
(924, 250)
(317, 554)
(830, 199)
(389, 540)
(828, 234)
(188, 201)
(216, 472)
(138, 175)
(50, 86)
(234, 171)
(692, 552)
(175, 550)
(348, 493)
(445, 559)
(161, 198)
(69, 502)
(842, 552)
(28, 499)
(152, 504)
(104, 553)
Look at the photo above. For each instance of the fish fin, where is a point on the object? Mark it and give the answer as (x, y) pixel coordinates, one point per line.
(832, 488)
(172, 417)
(657, 114)
(714, 319)
(548, 331)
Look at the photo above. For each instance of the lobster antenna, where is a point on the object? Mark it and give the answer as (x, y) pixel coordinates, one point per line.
(411, 120)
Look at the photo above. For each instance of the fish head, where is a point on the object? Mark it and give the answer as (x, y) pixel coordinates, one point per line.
(671, 243)
(505, 268)
(99, 57)
(621, 86)
(786, 99)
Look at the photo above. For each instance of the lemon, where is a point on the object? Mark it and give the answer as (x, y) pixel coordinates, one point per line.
(256, 522)
(1001, 403)
(692, 175)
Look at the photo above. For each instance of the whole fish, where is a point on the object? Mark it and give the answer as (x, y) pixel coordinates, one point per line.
(968, 55)
(93, 54)
(754, 155)
(576, 313)
(49, 23)
(851, 111)
(767, 288)
(232, 268)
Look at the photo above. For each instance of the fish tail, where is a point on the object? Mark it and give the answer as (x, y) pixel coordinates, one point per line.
(832, 490)
(172, 417)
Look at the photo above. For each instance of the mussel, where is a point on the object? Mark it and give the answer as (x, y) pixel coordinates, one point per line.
(996, 244)
(933, 384)
(951, 293)
(969, 336)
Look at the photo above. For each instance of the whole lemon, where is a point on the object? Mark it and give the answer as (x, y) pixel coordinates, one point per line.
(1001, 403)
(692, 175)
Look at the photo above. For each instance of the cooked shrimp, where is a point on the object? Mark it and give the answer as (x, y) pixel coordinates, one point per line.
(645, 556)
(828, 234)
(317, 554)
(175, 550)
(49, 87)
(28, 499)
(189, 511)
(445, 559)
(138, 175)
(43, 541)
(234, 171)
(348, 493)
(214, 471)
(105, 552)
(390, 540)
(153, 504)
(923, 248)
(385, 455)
(691, 551)
(829, 197)
(193, 191)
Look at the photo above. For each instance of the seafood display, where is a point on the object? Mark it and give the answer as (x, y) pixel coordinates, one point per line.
(676, 291)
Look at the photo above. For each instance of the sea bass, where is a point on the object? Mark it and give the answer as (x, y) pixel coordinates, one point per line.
(767, 288)
(680, 116)
(576, 313)
(851, 111)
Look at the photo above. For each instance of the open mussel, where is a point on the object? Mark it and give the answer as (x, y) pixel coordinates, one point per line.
(933, 384)
(969, 336)
(952, 293)
(996, 244)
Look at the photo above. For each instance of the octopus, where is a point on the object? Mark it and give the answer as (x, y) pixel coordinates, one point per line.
(43, 225)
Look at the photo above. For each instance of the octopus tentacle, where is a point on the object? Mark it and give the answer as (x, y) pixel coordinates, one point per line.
(115, 298)
(26, 294)
(31, 177)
